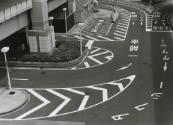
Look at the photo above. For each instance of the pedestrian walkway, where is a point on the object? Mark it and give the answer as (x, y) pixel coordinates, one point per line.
(11, 100)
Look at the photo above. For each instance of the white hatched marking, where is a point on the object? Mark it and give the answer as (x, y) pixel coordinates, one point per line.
(104, 92)
(95, 60)
(92, 38)
(100, 53)
(62, 105)
(95, 50)
(78, 37)
(85, 99)
(44, 100)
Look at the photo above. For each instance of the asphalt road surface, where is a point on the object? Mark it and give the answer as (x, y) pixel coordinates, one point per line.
(125, 80)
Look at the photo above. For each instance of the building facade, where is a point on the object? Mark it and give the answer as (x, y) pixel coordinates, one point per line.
(81, 8)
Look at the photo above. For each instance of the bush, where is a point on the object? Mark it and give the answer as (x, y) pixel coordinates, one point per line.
(65, 51)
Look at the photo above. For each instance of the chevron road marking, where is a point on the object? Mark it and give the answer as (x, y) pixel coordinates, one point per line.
(44, 100)
(99, 87)
(62, 105)
(85, 99)
(104, 92)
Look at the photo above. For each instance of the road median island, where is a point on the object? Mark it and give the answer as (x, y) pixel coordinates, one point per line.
(12, 100)
(66, 56)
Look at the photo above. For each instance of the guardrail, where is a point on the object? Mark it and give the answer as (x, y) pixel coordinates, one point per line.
(14, 9)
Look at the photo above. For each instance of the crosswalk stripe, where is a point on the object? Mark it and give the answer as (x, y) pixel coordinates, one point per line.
(122, 26)
(118, 38)
(44, 100)
(119, 35)
(62, 105)
(118, 31)
(121, 29)
(104, 92)
(106, 38)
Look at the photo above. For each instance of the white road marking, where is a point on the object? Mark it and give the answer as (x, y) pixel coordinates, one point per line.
(125, 27)
(95, 50)
(95, 60)
(117, 38)
(141, 107)
(124, 24)
(92, 38)
(133, 55)
(19, 79)
(109, 29)
(161, 85)
(89, 44)
(109, 57)
(125, 67)
(119, 35)
(44, 100)
(119, 117)
(104, 92)
(105, 38)
(98, 54)
(86, 64)
(118, 31)
(85, 99)
(62, 105)
(78, 37)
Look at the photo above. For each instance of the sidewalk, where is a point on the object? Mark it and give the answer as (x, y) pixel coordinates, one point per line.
(11, 100)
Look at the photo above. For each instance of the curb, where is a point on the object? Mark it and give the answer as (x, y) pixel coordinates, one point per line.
(49, 64)
(12, 100)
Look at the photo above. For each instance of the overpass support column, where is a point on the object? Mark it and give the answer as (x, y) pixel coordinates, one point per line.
(41, 37)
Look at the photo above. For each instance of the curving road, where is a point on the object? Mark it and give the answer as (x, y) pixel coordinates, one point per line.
(124, 80)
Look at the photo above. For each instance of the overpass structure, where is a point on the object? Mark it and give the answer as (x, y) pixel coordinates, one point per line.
(24, 25)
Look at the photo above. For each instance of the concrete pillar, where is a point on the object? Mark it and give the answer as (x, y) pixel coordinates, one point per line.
(41, 37)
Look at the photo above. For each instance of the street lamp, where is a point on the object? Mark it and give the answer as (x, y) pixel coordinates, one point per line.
(50, 20)
(4, 50)
(65, 10)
